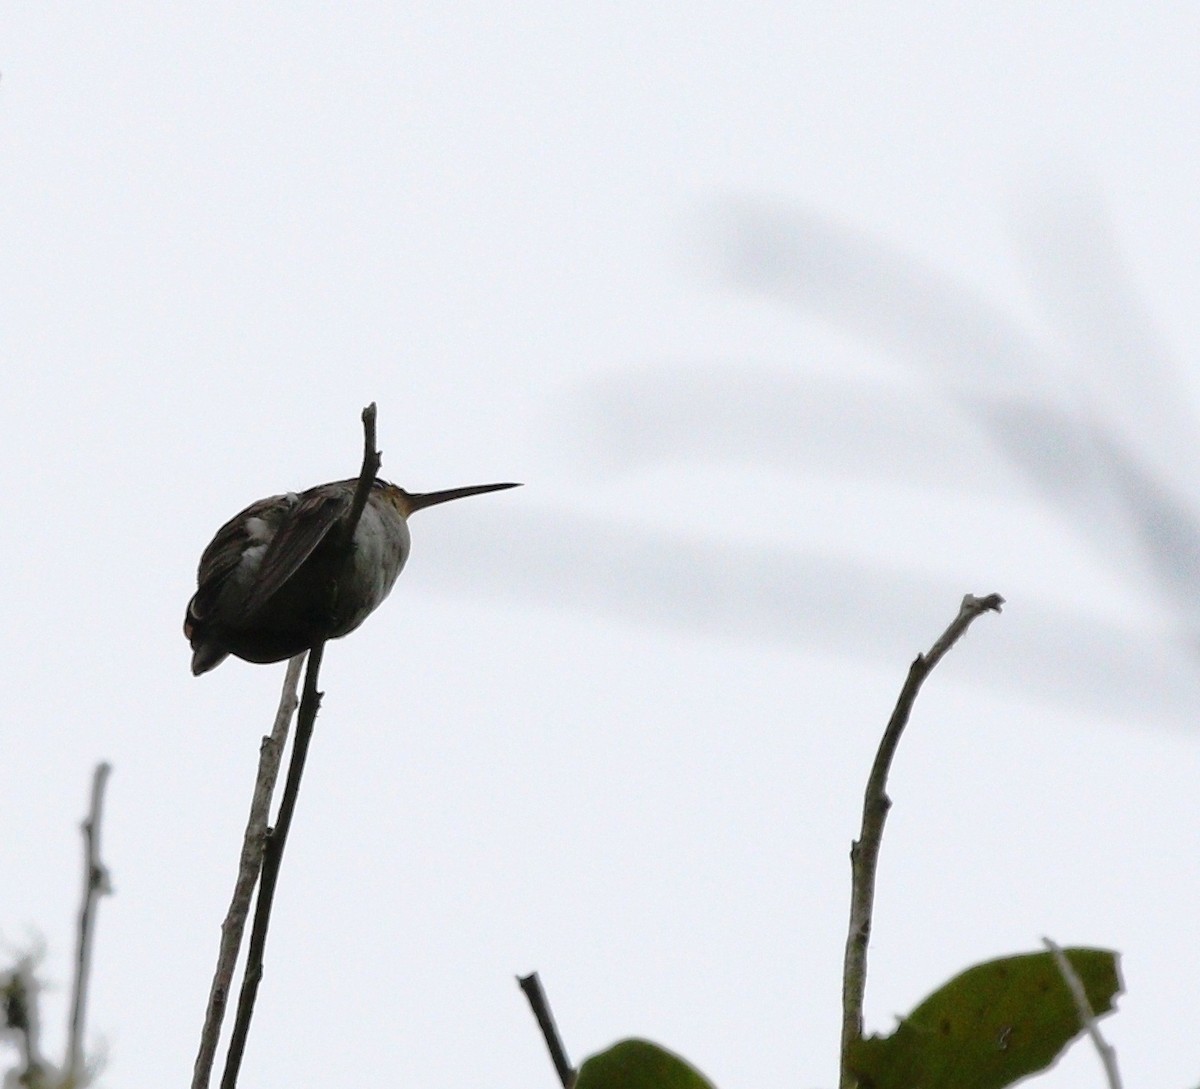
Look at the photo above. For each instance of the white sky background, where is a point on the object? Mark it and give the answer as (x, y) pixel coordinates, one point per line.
(798, 323)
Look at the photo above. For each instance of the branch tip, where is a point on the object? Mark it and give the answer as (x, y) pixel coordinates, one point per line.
(540, 1004)
(864, 852)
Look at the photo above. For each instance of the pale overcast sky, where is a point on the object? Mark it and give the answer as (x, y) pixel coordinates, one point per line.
(798, 322)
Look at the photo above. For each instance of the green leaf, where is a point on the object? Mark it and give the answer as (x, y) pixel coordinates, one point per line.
(988, 1027)
(639, 1064)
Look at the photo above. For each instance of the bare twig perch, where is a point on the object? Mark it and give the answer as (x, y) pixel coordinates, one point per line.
(1087, 1019)
(532, 986)
(95, 885)
(277, 839)
(253, 844)
(864, 852)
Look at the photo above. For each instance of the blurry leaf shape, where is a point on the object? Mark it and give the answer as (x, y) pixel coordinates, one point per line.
(882, 432)
(887, 295)
(740, 413)
(1039, 408)
(990, 1026)
(797, 597)
(1082, 280)
(1166, 529)
(1071, 406)
(639, 1064)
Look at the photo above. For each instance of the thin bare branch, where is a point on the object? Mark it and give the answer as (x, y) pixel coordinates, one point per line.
(95, 885)
(366, 477)
(310, 703)
(540, 1004)
(1087, 1019)
(864, 852)
(253, 844)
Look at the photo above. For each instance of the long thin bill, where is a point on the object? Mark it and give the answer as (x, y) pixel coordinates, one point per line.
(418, 500)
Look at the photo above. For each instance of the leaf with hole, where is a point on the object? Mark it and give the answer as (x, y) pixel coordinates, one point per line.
(989, 1027)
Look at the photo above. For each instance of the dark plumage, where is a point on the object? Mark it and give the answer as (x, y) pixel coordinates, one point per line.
(274, 580)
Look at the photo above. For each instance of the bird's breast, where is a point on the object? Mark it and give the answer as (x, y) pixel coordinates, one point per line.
(381, 547)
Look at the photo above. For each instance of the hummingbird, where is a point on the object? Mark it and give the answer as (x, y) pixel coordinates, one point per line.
(276, 578)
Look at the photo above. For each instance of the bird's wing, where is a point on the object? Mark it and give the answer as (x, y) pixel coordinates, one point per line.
(303, 528)
(225, 551)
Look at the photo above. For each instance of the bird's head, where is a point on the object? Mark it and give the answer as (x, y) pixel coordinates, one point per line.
(409, 502)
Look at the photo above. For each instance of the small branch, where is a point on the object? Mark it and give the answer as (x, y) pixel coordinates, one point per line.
(310, 703)
(276, 840)
(366, 477)
(532, 986)
(864, 852)
(1087, 1019)
(253, 845)
(95, 884)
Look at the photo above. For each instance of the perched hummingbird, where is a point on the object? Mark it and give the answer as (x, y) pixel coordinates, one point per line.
(275, 579)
